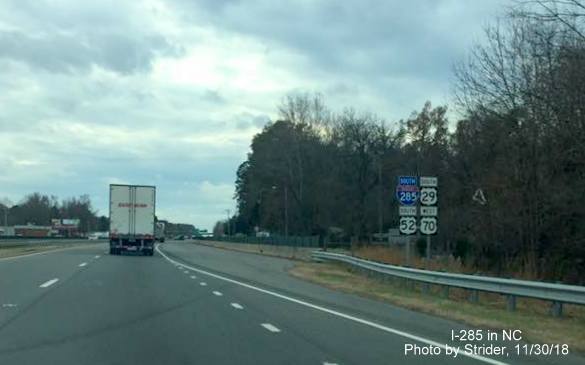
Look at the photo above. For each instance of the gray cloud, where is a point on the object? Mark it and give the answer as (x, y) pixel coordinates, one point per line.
(73, 53)
(89, 95)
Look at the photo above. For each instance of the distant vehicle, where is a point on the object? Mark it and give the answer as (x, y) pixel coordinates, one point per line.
(132, 225)
(180, 237)
(94, 236)
(160, 232)
(262, 234)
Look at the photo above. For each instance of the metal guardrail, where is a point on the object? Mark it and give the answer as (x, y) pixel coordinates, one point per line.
(298, 241)
(557, 293)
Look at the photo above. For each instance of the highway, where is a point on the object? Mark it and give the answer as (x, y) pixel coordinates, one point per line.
(193, 304)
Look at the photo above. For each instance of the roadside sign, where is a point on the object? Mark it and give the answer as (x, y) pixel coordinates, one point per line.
(428, 225)
(479, 197)
(428, 196)
(407, 210)
(407, 194)
(407, 225)
(429, 181)
(428, 211)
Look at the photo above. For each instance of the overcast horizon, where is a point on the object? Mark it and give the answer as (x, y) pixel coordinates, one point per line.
(170, 93)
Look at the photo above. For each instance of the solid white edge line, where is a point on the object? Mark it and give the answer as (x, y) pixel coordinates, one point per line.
(236, 305)
(48, 283)
(334, 312)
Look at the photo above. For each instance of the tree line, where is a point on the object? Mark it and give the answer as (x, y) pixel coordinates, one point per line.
(519, 140)
(40, 209)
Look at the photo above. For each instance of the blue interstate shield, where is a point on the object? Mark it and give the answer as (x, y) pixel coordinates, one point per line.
(407, 194)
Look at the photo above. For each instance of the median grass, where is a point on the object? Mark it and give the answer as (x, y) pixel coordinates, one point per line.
(531, 316)
(20, 250)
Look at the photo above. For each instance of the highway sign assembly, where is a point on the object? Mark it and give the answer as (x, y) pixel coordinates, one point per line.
(410, 191)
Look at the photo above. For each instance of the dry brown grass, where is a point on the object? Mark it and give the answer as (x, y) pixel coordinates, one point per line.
(397, 256)
(531, 316)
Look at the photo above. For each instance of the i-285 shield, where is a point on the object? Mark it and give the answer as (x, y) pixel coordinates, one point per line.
(407, 194)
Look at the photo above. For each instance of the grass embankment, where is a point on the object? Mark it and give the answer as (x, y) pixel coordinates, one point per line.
(531, 316)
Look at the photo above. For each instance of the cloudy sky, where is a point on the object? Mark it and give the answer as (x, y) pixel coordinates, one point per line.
(170, 93)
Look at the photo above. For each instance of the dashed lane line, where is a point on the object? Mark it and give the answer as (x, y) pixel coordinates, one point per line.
(236, 305)
(333, 312)
(47, 284)
(270, 327)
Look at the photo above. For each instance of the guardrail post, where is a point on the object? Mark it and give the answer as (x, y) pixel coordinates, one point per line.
(426, 287)
(557, 309)
(410, 284)
(445, 292)
(511, 303)
(474, 296)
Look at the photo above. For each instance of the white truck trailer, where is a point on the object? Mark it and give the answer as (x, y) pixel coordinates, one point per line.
(132, 220)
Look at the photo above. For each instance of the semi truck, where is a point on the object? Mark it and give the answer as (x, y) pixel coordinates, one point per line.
(132, 219)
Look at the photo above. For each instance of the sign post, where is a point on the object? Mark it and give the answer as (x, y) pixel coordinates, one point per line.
(428, 209)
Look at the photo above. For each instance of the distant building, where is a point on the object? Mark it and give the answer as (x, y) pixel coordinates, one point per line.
(7, 231)
(65, 228)
(32, 231)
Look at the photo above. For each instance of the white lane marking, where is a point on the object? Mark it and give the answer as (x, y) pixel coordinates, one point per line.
(329, 363)
(83, 264)
(336, 313)
(270, 327)
(193, 277)
(236, 305)
(8, 305)
(48, 283)
(96, 256)
(219, 294)
(203, 283)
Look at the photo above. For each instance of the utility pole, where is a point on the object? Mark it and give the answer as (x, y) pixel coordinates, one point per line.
(285, 211)
(228, 222)
(380, 217)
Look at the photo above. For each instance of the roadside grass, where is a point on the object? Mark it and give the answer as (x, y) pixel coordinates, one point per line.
(12, 251)
(531, 316)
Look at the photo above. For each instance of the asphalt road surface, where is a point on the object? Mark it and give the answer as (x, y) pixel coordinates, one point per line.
(192, 304)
